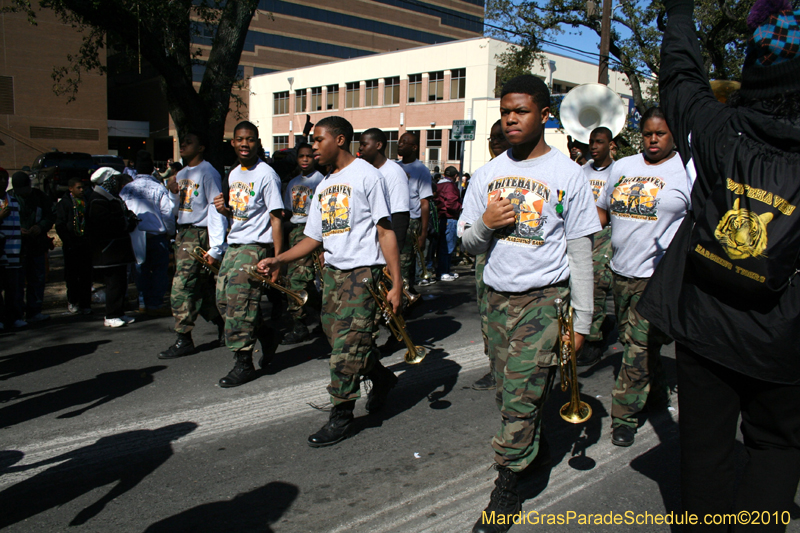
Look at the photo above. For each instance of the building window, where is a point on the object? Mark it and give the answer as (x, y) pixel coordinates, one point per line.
(333, 97)
(391, 144)
(351, 97)
(414, 88)
(354, 144)
(435, 86)
(316, 99)
(434, 138)
(6, 95)
(300, 100)
(391, 91)
(454, 148)
(458, 83)
(371, 93)
(281, 105)
(280, 142)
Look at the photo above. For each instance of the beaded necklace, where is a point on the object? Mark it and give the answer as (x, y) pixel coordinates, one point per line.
(79, 219)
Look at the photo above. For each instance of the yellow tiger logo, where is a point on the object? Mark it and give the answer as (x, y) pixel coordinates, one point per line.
(742, 233)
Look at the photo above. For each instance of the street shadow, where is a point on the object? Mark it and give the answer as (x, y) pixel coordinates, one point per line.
(90, 393)
(430, 381)
(123, 460)
(433, 329)
(19, 364)
(297, 354)
(253, 511)
(573, 442)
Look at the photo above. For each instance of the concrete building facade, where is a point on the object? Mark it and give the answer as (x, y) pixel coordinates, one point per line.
(421, 89)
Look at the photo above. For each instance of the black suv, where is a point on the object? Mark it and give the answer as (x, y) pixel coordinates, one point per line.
(51, 171)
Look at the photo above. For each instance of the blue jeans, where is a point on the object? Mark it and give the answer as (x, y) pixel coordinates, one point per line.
(447, 243)
(35, 276)
(152, 276)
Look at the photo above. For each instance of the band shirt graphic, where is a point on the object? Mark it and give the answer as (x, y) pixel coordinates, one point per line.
(527, 197)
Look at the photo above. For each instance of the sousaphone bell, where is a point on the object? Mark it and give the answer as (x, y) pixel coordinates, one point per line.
(590, 106)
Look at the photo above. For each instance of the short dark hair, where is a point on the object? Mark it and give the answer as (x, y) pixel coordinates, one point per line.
(378, 136)
(338, 126)
(304, 145)
(176, 166)
(414, 135)
(654, 111)
(202, 138)
(499, 123)
(144, 162)
(74, 181)
(245, 125)
(604, 131)
(528, 84)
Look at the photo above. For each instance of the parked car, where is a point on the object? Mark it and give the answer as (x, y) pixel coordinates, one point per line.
(113, 161)
(52, 171)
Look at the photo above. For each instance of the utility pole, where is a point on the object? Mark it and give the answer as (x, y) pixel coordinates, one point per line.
(605, 41)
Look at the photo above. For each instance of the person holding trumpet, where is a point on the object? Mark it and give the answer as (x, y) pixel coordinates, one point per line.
(350, 217)
(531, 211)
(199, 225)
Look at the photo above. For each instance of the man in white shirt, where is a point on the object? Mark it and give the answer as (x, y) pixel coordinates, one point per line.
(420, 194)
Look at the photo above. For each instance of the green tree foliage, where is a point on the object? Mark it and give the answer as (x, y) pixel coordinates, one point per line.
(165, 33)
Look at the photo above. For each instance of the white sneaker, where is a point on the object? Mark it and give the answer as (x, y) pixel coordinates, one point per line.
(39, 317)
(423, 282)
(73, 309)
(113, 322)
(447, 277)
(127, 319)
(455, 275)
(20, 323)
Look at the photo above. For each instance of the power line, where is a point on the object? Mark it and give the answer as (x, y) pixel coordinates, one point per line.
(593, 55)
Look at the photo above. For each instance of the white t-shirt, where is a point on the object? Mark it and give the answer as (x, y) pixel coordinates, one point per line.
(195, 203)
(646, 204)
(597, 178)
(298, 195)
(344, 216)
(254, 193)
(396, 182)
(532, 253)
(419, 186)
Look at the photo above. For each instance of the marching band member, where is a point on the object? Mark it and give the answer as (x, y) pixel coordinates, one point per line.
(199, 224)
(255, 208)
(421, 197)
(531, 211)
(350, 217)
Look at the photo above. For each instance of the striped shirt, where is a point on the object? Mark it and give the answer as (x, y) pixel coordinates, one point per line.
(10, 227)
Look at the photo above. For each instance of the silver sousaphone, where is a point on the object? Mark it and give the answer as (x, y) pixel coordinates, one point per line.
(590, 106)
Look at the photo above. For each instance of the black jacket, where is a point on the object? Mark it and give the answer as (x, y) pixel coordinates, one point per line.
(108, 226)
(64, 222)
(758, 337)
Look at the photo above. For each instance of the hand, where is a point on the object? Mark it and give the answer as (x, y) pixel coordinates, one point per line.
(275, 275)
(578, 341)
(210, 259)
(322, 258)
(35, 230)
(421, 242)
(499, 214)
(173, 187)
(395, 298)
(268, 266)
(5, 212)
(219, 205)
(24, 232)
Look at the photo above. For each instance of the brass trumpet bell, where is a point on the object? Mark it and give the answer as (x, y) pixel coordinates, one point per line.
(575, 411)
(414, 354)
(197, 254)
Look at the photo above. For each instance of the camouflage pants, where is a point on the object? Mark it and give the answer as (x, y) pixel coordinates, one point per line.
(239, 297)
(601, 255)
(301, 276)
(480, 289)
(193, 287)
(408, 258)
(523, 331)
(642, 372)
(348, 316)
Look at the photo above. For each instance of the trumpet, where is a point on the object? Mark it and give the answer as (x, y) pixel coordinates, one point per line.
(575, 411)
(395, 322)
(197, 254)
(301, 297)
(412, 298)
(420, 258)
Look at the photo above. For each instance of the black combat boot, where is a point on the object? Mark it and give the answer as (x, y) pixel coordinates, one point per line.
(183, 346)
(298, 334)
(243, 371)
(220, 323)
(337, 428)
(486, 382)
(503, 501)
(591, 353)
(383, 380)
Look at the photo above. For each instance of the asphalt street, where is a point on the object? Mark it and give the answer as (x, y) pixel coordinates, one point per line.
(97, 434)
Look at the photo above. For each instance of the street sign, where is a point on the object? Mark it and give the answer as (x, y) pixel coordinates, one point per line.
(463, 130)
